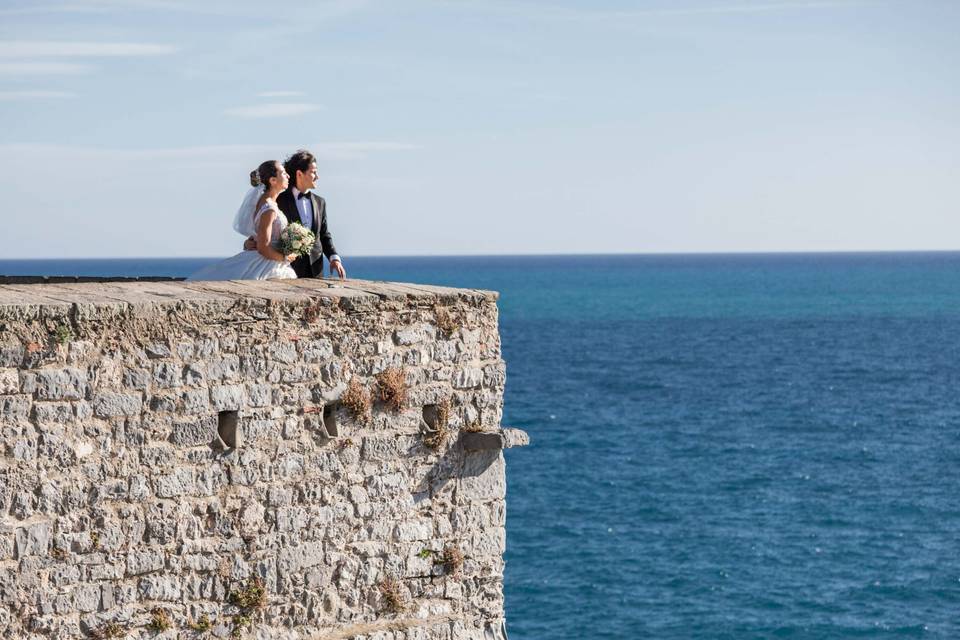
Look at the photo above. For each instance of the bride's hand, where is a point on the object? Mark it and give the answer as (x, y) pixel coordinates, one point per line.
(291, 257)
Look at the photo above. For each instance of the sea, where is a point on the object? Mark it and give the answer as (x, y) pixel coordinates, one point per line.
(722, 446)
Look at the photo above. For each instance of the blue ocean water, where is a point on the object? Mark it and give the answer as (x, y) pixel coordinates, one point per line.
(740, 446)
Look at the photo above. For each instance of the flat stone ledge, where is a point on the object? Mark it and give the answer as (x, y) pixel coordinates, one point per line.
(492, 440)
(61, 279)
(110, 291)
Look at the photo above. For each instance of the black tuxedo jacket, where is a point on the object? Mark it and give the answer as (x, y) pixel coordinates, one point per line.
(309, 266)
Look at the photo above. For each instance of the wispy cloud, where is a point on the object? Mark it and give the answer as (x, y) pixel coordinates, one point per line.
(359, 149)
(45, 49)
(745, 7)
(9, 96)
(327, 150)
(528, 10)
(279, 94)
(330, 8)
(272, 110)
(41, 68)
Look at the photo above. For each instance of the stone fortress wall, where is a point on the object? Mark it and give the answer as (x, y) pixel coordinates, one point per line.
(299, 459)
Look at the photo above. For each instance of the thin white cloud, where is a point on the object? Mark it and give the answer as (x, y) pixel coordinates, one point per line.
(359, 149)
(279, 94)
(47, 48)
(9, 96)
(529, 10)
(751, 7)
(326, 150)
(330, 8)
(272, 110)
(41, 68)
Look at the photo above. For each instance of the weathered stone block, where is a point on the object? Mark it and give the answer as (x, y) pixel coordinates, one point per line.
(285, 352)
(106, 404)
(159, 587)
(141, 562)
(14, 408)
(259, 395)
(166, 375)
(225, 368)
(192, 433)
(11, 353)
(179, 483)
(47, 413)
(33, 539)
(157, 350)
(9, 381)
(293, 559)
(86, 597)
(61, 384)
(468, 378)
(137, 379)
(411, 335)
(317, 350)
(227, 397)
(195, 401)
(415, 530)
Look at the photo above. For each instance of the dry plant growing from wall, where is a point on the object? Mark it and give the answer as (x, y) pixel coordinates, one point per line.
(452, 560)
(252, 597)
(202, 625)
(160, 621)
(445, 321)
(393, 597)
(392, 386)
(356, 399)
(109, 631)
(474, 427)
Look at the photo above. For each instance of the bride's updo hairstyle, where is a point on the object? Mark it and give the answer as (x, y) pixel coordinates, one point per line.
(267, 170)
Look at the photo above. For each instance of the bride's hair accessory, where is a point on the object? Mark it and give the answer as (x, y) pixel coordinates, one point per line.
(254, 178)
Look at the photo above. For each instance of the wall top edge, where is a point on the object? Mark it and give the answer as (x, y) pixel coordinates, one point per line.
(111, 294)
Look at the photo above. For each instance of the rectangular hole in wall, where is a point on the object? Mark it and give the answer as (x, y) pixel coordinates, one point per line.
(330, 421)
(228, 428)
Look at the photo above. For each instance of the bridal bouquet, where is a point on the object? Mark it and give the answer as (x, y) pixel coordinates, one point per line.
(296, 238)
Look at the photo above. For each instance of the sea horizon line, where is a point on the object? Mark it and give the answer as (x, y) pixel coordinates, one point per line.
(845, 252)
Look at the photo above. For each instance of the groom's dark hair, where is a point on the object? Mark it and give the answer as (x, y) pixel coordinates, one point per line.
(299, 161)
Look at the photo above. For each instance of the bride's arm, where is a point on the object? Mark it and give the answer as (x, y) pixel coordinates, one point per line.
(264, 231)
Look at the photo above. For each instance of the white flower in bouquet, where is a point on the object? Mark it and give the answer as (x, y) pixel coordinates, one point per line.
(296, 238)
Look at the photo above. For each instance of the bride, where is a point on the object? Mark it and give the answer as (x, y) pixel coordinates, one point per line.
(263, 220)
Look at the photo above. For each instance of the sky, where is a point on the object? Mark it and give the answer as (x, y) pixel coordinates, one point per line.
(484, 126)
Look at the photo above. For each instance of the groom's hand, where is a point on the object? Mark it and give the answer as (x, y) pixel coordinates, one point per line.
(250, 244)
(337, 267)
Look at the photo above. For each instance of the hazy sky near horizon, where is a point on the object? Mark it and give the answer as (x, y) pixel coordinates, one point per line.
(484, 126)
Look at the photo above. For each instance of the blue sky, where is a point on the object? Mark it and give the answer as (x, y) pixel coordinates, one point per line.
(485, 127)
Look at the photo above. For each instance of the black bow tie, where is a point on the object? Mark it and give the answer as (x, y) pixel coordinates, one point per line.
(304, 194)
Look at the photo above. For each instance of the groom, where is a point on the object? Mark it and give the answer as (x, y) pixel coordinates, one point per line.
(299, 204)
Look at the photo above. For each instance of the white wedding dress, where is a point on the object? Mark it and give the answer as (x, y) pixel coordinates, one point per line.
(250, 265)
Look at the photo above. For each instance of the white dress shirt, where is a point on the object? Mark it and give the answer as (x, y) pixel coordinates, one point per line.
(305, 209)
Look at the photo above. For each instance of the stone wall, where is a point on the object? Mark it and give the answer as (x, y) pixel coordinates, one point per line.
(251, 459)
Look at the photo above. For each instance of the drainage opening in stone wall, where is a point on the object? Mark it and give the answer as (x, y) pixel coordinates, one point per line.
(228, 428)
(330, 420)
(435, 418)
(431, 415)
